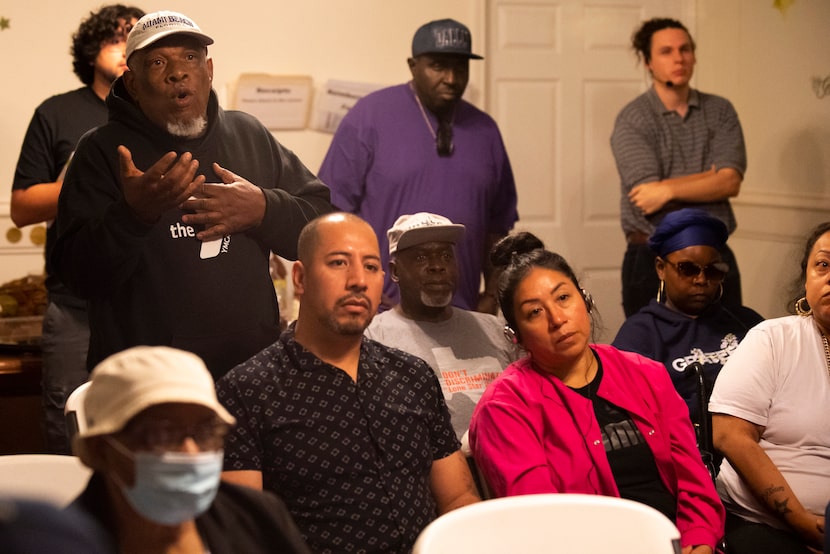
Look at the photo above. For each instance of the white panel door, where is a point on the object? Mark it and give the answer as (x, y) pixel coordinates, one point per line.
(558, 73)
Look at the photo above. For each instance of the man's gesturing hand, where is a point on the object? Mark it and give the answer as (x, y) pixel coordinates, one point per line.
(165, 185)
(233, 207)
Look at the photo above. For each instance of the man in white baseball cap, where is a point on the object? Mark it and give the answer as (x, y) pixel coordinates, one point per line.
(466, 349)
(153, 432)
(168, 246)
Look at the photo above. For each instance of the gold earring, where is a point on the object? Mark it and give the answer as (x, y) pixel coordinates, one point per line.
(661, 290)
(800, 309)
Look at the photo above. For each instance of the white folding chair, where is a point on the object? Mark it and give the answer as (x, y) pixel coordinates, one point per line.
(550, 523)
(44, 477)
(73, 411)
(478, 477)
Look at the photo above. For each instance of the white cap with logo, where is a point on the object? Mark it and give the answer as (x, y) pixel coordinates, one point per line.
(414, 229)
(157, 25)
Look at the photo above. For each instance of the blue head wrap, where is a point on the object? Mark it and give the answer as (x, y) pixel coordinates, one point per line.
(687, 227)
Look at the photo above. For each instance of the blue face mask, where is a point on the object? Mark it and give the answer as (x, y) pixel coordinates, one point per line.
(173, 487)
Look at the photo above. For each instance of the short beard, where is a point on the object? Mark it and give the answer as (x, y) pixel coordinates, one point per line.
(192, 128)
(352, 327)
(436, 301)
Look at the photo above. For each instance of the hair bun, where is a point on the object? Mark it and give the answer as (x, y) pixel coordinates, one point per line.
(506, 250)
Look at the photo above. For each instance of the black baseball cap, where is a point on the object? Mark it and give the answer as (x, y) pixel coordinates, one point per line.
(443, 36)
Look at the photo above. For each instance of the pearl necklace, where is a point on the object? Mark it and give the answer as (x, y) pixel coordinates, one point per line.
(826, 351)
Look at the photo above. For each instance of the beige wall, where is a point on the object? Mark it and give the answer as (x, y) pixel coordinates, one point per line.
(765, 61)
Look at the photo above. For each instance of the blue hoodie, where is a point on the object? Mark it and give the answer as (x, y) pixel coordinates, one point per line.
(677, 340)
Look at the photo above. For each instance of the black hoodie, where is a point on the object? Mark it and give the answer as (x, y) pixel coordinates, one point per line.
(676, 340)
(148, 284)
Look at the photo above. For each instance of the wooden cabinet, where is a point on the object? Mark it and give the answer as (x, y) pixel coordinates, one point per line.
(20, 405)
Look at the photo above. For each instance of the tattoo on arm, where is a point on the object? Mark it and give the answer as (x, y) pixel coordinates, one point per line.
(770, 491)
(781, 507)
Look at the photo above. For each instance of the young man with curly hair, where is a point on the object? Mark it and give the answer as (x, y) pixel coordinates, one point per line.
(98, 47)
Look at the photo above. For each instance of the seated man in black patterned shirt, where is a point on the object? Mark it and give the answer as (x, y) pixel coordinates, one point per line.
(353, 435)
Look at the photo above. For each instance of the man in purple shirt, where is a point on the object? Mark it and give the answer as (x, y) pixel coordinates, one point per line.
(418, 147)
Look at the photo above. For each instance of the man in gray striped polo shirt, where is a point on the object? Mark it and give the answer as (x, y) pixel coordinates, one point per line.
(674, 147)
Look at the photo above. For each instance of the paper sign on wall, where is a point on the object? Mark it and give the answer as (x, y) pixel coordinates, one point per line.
(334, 100)
(278, 101)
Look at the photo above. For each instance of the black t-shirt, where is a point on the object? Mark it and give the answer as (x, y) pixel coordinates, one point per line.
(629, 456)
(56, 126)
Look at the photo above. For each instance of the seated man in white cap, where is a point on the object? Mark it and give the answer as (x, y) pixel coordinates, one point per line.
(466, 349)
(154, 437)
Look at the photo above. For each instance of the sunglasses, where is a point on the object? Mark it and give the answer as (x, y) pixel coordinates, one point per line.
(712, 272)
(443, 139)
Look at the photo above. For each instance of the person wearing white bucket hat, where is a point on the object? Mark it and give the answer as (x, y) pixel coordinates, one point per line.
(154, 434)
(170, 210)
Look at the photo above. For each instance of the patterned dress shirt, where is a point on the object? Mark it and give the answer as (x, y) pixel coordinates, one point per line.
(351, 459)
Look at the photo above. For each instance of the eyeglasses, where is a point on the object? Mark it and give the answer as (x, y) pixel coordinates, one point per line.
(167, 436)
(712, 272)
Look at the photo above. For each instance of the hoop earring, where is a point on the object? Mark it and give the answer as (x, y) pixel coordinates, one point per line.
(800, 309)
(661, 291)
(510, 335)
(720, 294)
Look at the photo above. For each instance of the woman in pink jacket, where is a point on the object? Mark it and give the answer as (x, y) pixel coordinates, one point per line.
(576, 417)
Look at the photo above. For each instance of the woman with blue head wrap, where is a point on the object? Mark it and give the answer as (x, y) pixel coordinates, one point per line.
(686, 322)
(687, 244)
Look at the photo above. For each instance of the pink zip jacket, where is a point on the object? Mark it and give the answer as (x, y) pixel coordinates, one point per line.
(530, 434)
